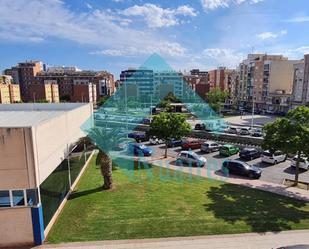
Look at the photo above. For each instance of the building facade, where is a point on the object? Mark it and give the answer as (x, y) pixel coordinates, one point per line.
(260, 77)
(39, 165)
(47, 92)
(24, 75)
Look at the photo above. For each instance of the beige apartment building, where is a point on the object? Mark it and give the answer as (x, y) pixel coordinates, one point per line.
(40, 161)
(9, 93)
(264, 76)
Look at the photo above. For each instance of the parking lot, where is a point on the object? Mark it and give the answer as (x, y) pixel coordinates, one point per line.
(271, 173)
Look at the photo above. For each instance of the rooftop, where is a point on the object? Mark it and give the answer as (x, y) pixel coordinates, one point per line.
(27, 115)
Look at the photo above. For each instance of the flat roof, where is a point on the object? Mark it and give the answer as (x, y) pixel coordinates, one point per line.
(27, 115)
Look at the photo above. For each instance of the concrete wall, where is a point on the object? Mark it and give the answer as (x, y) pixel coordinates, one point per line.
(54, 138)
(16, 160)
(16, 227)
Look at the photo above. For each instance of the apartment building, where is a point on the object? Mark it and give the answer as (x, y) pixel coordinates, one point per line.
(84, 91)
(67, 77)
(24, 75)
(14, 93)
(263, 76)
(9, 92)
(39, 166)
(44, 93)
(5, 94)
(217, 78)
(198, 81)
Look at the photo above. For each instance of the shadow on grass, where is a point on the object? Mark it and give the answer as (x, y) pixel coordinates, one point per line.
(261, 212)
(78, 194)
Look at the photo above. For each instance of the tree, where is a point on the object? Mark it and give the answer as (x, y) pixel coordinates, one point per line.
(105, 140)
(166, 126)
(102, 100)
(171, 98)
(290, 135)
(216, 97)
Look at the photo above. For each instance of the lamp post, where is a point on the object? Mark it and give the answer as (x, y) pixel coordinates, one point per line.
(252, 118)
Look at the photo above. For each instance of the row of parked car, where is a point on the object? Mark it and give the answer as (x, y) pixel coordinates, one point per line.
(226, 150)
(244, 131)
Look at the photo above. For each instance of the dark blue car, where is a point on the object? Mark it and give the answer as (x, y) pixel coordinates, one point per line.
(174, 142)
(138, 136)
(139, 149)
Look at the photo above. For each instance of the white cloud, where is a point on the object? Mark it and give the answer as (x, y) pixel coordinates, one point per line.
(299, 19)
(223, 56)
(271, 35)
(157, 17)
(104, 30)
(215, 4)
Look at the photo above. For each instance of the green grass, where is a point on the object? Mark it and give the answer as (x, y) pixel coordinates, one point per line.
(145, 204)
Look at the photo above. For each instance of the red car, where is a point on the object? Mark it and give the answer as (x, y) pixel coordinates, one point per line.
(193, 144)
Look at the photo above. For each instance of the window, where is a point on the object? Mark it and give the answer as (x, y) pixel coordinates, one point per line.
(5, 198)
(32, 197)
(18, 198)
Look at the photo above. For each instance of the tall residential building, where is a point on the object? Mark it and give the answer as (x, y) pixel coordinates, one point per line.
(44, 93)
(300, 94)
(24, 75)
(261, 76)
(217, 78)
(232, 85)
(66, 78)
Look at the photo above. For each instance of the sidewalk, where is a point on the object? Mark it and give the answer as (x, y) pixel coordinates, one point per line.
(291, 192)
(236, 241)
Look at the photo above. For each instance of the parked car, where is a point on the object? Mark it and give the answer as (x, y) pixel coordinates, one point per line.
(138, 136)
(303, 164)
(174, 142)
(191, 158)
(154, 140)
(191, 144)
(273, 158)
(249, 153)
(200, 126)
(139, 149)
(210, 146)
(245, 131)
(257, 132)
(228, 150)
(236, 167)
(232, 130)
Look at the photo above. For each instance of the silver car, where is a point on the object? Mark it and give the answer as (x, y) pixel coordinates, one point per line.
(191, 158)
(209, 146)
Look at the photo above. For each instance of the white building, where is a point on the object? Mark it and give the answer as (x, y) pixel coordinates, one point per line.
(38, 166)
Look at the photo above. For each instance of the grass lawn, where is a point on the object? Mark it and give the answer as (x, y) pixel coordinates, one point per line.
(147, 204)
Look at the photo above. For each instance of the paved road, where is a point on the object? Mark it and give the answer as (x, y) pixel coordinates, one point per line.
(237, 241)
(271, 173)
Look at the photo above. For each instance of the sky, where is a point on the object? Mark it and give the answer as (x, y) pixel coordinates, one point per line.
(114, 35)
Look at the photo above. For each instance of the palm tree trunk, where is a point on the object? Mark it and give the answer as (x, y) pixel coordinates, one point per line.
(297, 167)
(106, 169)
(165, 154)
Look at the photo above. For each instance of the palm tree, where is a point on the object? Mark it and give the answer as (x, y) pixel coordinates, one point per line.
(104, 140)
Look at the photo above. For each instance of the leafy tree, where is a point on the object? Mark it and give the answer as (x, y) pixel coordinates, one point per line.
(169, 125)
(216, 97)
(171, 98)
(289, 134)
